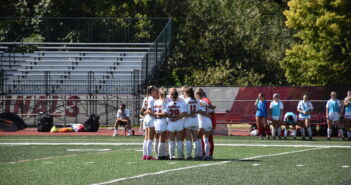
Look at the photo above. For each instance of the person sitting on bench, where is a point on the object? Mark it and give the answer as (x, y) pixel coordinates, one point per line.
(122, 119)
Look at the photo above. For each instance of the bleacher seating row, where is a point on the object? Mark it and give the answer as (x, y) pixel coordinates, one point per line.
(72, 67)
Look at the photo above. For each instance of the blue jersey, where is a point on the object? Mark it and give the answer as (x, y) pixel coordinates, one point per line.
(261, 109)
(333, 105)
(276, 108)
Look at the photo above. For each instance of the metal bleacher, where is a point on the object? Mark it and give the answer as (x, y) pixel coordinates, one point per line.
(79, 68)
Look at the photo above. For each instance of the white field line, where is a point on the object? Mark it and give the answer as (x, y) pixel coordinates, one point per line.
(202, 165)
(140, 144)
(61, 156)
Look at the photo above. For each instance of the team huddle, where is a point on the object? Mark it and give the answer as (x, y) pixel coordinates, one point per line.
(334, 110)
(173, 118)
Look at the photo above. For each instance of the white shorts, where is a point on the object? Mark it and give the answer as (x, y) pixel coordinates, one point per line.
(334, 116)
(205, 123)
(302, 117)
(275, 118)
(149, 121)
(191, 123)
(176, 126)
(160, 125)
(347, 115)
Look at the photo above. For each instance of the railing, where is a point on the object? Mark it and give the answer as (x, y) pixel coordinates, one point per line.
(83, 29)
(46, 84)
(158, 53)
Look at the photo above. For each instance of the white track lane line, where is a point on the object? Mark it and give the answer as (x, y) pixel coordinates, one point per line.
(202, 165)
(139, 144)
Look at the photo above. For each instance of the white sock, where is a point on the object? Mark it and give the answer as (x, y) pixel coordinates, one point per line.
(188, 147)
(200, 148)
(156, 147)
(303, 132)
(341, 132)
(116, 131)
(145, 148)
(149, 147)
(273, 131)
(166, 148)
(309, 130)
(286, 132)
(171, 148)
(196, 148)
(130, 132)
(294, 132)
(329, 132)
(161, 149)
(207, 147)
(279, 131)
(180, 148)
(349, 134)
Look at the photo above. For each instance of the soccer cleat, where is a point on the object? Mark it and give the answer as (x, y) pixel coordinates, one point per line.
(328, 138)
(196, 158)
(189, 158)
(267, 137)
(303, 138)
(343, 139)
(150, 158)
(211, 157)
(310, 138)
(273, 137)
(180, 159)
(280, 138)
(114, 135)
(206, 158)
(144, 157)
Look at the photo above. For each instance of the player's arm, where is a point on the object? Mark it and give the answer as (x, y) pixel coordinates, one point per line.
(326, 111)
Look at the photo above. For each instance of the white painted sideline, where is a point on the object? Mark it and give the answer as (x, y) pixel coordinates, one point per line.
(202, 165)
(139, 144)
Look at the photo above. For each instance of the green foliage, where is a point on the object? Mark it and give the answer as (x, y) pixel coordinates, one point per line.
(322, 56)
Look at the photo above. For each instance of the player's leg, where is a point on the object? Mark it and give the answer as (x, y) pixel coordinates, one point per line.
(157, 138)
(188, 144)
(259, 126)
(274, 128)
(348, 126)
(161, 145)
(200, 142)
(171, 145)
(150, 143)
(294, 132)
(145, 144)
(279, 129)
(302, 129)
(129, 127)
(330, 126)
(196, 144)
(207, 145)
(286, 131)
(340, 127)
(115, 128)
(309, 128)
(180, 144)
(266, 126)
(210, 140)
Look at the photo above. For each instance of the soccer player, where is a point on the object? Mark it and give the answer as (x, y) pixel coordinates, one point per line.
(276, 109)
(305, 108)
(191, 124)
(333, 112)
(205, 124)
(122, 119)
(347, 116)
(175, 110)
(158, 113)
(290, 119)
(151, 92)
(261, 115)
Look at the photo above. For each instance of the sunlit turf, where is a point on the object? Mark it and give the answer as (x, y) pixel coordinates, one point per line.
(58, 164)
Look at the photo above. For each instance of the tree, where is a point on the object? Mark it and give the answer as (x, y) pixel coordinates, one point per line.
(322, 54)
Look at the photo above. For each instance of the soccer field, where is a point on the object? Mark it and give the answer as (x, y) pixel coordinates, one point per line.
(107, 160)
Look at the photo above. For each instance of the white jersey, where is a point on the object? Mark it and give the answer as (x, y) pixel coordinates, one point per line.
(204, 121)
(123, 114)
(148, 120)
(192, 106)
(175, 108)
(306, 107)
(158, 105)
